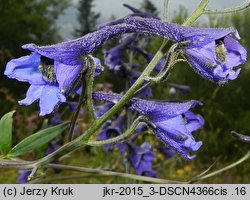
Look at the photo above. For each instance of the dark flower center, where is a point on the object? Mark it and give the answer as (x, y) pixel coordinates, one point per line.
(220, 51)
(47, 69)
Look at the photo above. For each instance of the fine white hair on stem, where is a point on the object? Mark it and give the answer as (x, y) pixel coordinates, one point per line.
(245, 5)
(165, 12)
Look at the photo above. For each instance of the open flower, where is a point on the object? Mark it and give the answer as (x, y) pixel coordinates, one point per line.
(51, 81)
(172, 122)
(141, 159)
(53, 71)
(212, 52)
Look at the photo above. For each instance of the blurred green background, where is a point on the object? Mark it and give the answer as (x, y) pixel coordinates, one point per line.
(225, 108)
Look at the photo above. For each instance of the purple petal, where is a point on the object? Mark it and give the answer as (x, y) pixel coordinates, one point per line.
(155, 110)
(99, 68)
(67, 76)
(112, 58)
(50, 98)
(23, 176)
(173, 144)
(34, 93)
(194, 122)
(236, 53)
(176, 132)
(122, 147)
(25, 69)
(174, 127)
(160, 111)
(71, 52)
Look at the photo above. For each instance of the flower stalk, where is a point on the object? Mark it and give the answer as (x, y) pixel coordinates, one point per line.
(119, 138)
(75, 115)
(89, 86)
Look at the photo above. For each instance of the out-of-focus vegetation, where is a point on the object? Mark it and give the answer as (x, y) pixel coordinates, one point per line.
(24, 21)
(225, 108)
(87, 18)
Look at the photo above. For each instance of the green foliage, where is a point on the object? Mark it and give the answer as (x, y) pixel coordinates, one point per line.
(6, 132)
(29, 21)
(148, 6)
(87, 17)
(180, 15)
(24, 21)
(37, 140)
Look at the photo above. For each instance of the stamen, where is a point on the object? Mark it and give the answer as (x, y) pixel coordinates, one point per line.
(220, 51)
(47, 70)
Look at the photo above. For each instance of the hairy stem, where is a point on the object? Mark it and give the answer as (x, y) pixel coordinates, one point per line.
(89, 87)
(165, 13)
(229, 10)
(119, 138)
(223, 169)
(75, 115)
(111, 173)
(197, 13)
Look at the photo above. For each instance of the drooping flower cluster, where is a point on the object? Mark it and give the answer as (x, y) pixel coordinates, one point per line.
(212, 52)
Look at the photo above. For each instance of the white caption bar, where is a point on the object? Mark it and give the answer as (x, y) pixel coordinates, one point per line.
(124, 191)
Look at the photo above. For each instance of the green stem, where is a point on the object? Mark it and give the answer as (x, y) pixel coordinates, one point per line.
(229, 10)
(165, 14)
(129, 94)
(223, 169)
(89, 86)
(111, 173)
(171, 59)
(75, 115)
(197, 13)
(60, 178)
(119, 138)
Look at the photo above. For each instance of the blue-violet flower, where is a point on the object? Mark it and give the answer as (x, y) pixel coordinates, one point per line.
(53, 71)
(172, 122)
(212, 52)
(141, 159)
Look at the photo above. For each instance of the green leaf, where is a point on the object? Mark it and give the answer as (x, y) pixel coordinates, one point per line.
(6, 132)
(37, 139)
